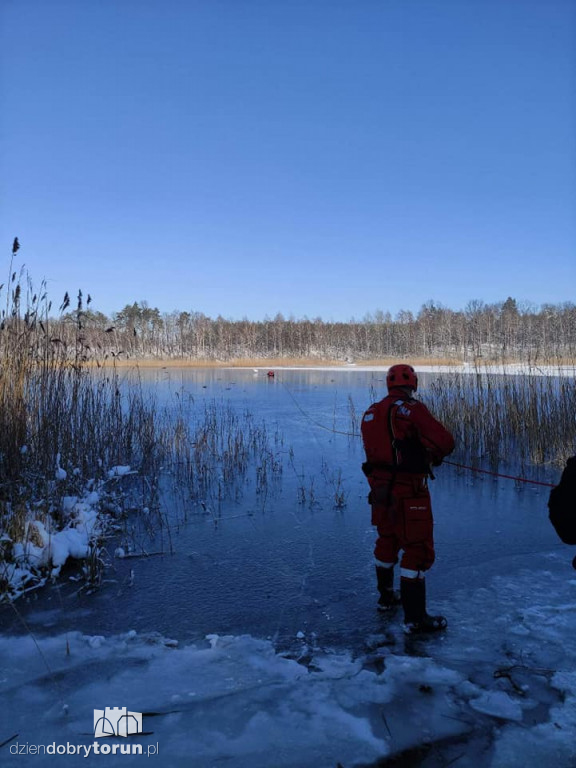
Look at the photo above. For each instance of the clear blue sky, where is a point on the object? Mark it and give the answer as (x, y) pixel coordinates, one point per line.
(311, 157)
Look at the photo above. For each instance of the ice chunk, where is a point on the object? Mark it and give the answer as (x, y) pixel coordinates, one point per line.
(497, 704)
(119, 471)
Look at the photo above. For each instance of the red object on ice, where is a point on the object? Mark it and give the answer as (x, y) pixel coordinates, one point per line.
(270, 374)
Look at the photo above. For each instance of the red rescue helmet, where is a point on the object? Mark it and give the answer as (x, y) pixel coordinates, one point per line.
(402, 376)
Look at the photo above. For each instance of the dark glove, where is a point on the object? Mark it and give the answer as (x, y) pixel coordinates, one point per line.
(436, 462)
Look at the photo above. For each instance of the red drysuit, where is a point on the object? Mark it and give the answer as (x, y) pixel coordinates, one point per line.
(401, 439)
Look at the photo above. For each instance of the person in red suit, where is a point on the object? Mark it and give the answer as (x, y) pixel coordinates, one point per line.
(402, 440)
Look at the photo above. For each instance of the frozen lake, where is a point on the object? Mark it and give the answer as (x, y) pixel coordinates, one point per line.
(291, 560)
(291, 568)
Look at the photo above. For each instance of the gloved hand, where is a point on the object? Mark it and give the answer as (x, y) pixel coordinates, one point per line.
(367, 468)
(436, 462)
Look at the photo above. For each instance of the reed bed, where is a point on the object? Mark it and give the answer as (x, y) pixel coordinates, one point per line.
(524, 419)
(527, 418)
(62, 425)
(209, 451)
(67, 421)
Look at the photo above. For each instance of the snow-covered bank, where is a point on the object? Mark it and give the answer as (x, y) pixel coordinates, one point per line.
(485, 368)
(49, 540)
(498, 689)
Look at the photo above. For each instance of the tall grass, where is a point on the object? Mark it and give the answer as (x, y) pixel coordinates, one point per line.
(53, 409)
(523, 418)
(527, 418)
(62, 425)
(67, 418)
(209, 451)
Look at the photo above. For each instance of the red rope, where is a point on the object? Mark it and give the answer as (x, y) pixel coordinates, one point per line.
(452, 463)
(498, 474)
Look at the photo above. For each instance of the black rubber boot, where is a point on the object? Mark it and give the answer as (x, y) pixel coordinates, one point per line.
(416, 620)
(389, 598)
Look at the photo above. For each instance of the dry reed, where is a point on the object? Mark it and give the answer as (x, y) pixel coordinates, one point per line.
(67, 418)
(525, 417)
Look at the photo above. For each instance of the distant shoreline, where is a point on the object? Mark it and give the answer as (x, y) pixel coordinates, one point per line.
(267, 364)
(421, 365)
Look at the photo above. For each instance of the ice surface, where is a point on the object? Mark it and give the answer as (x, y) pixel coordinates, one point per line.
(238, 701)
(498, 704)
(497, 690)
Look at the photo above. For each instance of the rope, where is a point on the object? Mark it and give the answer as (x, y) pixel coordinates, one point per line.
(317, 423)
(499, 474)
(451, 463)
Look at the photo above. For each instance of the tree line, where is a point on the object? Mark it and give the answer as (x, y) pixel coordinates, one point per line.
(500, 331)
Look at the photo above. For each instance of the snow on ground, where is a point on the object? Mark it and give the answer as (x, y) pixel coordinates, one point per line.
(498, 689)
(484, 368)
(45, 547)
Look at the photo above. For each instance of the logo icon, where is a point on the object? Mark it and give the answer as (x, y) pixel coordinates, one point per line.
(116, 721)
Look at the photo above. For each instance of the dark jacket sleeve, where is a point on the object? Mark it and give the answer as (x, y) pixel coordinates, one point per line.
(562, 504)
